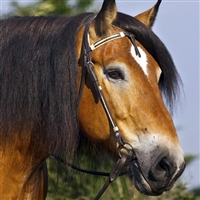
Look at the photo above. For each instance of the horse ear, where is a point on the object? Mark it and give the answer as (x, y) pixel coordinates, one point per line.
(148, 17)
(105, 17)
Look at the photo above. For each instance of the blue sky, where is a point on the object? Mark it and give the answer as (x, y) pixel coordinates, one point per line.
(178, 27)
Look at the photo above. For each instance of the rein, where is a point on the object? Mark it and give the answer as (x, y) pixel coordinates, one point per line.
(125, 150)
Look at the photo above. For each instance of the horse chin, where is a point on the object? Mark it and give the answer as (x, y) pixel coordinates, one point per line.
(141, 183)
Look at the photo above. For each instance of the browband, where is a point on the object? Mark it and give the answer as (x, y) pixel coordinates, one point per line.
(105, 40)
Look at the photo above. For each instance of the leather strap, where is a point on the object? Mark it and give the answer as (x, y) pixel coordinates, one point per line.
(125, 150)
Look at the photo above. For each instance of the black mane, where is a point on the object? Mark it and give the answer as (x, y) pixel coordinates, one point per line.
(169, 80)
(38, 79)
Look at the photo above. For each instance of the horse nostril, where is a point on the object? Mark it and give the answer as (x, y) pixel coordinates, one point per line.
(161, 170)
(165, 166)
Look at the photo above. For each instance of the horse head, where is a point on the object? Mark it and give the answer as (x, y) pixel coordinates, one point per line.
(130, 72)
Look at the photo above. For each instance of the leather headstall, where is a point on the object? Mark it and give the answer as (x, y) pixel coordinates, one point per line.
(125, 150)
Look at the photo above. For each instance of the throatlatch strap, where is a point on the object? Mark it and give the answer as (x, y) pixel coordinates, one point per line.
(98, 173)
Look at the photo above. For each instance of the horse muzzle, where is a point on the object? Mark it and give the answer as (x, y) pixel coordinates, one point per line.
(154, 176)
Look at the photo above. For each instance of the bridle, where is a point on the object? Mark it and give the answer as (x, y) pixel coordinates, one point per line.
(125, 150)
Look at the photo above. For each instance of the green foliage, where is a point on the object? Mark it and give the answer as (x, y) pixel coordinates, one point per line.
(51, 7)
(67, 184)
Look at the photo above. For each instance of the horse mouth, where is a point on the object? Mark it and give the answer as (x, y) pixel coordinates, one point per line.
(141, 183)
(154, 177)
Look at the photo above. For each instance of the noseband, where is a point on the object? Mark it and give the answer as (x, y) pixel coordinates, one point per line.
(125, 150)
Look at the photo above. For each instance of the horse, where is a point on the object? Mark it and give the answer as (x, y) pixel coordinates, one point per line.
(105, 77)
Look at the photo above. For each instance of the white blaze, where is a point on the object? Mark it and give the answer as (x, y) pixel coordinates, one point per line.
(142, 61)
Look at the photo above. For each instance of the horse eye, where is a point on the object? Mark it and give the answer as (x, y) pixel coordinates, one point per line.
(115, 74)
